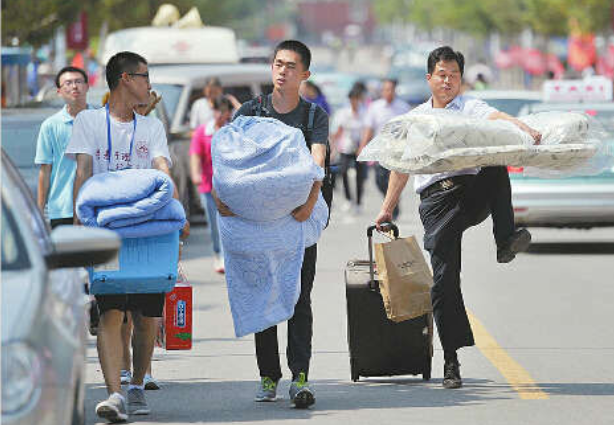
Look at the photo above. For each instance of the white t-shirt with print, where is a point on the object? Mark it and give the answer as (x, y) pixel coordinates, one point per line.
(89, 135)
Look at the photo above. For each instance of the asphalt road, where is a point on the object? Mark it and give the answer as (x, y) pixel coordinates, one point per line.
(543, 324)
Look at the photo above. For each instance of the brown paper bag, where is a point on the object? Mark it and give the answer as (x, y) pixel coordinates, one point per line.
(405, 279)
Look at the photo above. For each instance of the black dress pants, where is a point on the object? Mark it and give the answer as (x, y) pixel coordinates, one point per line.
(300, 330)
(445, 216)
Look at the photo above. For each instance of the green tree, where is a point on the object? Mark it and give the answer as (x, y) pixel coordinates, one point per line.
(553, 17)
(34, 22)
(548, 17)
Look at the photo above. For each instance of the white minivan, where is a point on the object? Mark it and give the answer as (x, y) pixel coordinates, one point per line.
(180, 86)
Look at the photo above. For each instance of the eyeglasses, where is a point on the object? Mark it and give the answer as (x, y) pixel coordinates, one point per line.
(70, 83)
(143, 74)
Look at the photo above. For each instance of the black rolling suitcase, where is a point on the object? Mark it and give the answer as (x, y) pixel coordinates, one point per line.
(378, 346)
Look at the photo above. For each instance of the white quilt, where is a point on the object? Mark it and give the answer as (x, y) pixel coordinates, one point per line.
(440, 141)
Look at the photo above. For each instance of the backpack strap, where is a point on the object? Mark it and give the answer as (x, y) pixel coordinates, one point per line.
(258, 105)
(309, 132)
(308, 122)
(312, 114)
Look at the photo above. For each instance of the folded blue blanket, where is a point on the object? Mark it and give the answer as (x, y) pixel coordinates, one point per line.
(135, 203)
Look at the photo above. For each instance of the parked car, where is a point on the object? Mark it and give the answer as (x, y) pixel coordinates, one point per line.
(180, 86)
(44, 316)
(508, 101)
(576, 202)
(20, 128)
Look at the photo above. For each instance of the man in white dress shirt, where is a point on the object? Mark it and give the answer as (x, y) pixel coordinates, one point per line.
(379, 113)
(453, 202)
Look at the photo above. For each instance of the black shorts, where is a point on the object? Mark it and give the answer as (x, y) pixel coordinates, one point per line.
(148, 305)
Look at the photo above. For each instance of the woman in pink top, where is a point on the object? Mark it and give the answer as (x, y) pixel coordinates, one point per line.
(201, 169)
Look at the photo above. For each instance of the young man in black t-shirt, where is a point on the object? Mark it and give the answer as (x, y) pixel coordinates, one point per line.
(290, 68)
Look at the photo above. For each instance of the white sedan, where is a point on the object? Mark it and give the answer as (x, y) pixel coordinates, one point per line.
(575, 202)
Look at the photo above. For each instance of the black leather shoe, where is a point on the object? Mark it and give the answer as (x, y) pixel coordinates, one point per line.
(451, 375)
(518, 242)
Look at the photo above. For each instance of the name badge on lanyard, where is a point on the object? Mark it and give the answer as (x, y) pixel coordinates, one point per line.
(110, 143)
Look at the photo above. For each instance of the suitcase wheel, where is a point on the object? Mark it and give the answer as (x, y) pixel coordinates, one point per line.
(426, 374)
(353, 371)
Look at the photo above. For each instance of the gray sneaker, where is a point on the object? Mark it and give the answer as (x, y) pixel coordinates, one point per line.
(267, 390)
(112, 409)
(137, 405)
(301, 394)
(125, 377)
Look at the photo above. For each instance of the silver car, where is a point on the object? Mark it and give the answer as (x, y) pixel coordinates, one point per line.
(43, 308)
(575, 202)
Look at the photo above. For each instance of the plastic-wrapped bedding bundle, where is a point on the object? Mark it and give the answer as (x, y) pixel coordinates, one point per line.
(439, 141)
(263, 171)
(573, 144)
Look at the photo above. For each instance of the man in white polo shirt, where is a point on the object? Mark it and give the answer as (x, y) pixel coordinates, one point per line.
(453, 202)
(379, 113)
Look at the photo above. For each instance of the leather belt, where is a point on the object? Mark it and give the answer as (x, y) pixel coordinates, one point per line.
(445, 185)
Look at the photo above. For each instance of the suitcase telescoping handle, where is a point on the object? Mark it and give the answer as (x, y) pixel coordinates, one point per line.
(386, 226)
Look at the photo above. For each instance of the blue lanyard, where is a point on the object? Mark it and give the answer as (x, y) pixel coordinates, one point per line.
(110, 144)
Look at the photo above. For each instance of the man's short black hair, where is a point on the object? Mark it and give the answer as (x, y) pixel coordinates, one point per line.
(297, 47)
(392, 81)
(69, 69)
(213, 82)
(446, 54)
(120, 63)
(356, 92)
(222, 104)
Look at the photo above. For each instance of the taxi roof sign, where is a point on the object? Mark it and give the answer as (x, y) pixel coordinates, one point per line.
(593, 89)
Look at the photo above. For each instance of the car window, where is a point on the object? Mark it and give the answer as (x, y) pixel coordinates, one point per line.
(170, 96)
(19, 141)
(510, 106)
(242, 93)
(14, 254)
(606, 118)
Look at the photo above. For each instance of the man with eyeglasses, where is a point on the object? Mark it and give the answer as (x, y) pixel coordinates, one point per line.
(57, 173)
(452, 202)
(111, 139)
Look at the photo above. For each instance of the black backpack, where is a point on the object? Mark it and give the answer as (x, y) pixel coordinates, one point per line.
(260, 110)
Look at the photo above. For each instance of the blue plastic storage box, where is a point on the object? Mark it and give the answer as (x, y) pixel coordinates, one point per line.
(145, 265)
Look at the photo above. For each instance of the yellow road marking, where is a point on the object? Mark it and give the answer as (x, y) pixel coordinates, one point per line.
(512, 371)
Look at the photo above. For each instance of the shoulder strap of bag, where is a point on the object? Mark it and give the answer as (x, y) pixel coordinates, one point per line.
(258, 105)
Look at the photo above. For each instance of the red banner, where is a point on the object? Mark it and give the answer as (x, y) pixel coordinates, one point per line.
(581, 53)
(533, 62)
(76, 34)
(605, 63)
